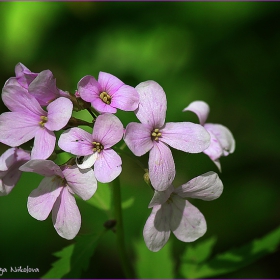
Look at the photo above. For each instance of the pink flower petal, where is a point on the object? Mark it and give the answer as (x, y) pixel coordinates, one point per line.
(206, 187)
(107, 166)
(17, 128)
(161, 167)
(138, 138)
(185, 136)
(125, 98)
(223, 135)
(43, 167)
(152, 104)
(43, 88)
(89, 89)
(187, 222)
(17, 99)
(66, 215)
(76, 141)
(161, 197)
(81, 182)
(24, 75)
(41, 200)
(44, 144)
(59, 113)
(201, 109)
(7, 159)
(108, 130)
(215, 150)
(109, 83)
(157, 229)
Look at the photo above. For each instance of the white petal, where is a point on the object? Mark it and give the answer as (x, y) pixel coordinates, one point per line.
(85, 162)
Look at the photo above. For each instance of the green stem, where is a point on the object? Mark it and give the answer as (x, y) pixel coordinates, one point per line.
(116, 200)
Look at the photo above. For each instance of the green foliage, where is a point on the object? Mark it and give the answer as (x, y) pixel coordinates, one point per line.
(74, 259)
(196, 265)
(153, 265)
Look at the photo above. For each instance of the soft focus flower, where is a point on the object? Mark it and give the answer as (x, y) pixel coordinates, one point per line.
(222, 141)
(40, 85)
(55, 193)
(108, 93)
(10, 161)
(28, 120)
(171, 212)
(153, 135)
(95, 148)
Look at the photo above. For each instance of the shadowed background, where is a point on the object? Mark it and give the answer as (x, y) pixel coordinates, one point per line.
(226, 54)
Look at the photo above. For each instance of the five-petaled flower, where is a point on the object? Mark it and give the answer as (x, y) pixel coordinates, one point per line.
(96, 148)
(108, 93)
(222, 141)
(153, 135)
(172, 212)
(56, 193)
(10, 161)
(28, 120)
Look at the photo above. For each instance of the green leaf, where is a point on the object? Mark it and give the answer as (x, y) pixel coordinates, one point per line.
(74, 259)
(153, 264)
(231, 260)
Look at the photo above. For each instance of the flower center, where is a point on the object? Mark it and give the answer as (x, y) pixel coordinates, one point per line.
(105, 97)
(155, 134)
(97, 147)
(44, 119)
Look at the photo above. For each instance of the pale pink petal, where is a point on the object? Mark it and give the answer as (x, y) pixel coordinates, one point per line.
(12, 82)
(17, 99)
(17, 128)
(8, 180)
(59, 113)
(81, 182)
(76, 141)
(223, 135)
(43, 88)
(161, 167)
(24, 75)
(43, 167)
(125, 98)
(66, 216)
(41, 200)
(138, 138)
(157, 228)
(215, 150)
(108, 166)
(200, 108)
(7, 159)
(206, 187)
(85, 162)
(89, 89)
(108, 130)
(161, 197)
(187, 222)
(152, 104)
(44, 144)
(185, 136)
(109, 83)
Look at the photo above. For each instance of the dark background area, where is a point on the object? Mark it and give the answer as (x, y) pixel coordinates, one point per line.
(225, 53)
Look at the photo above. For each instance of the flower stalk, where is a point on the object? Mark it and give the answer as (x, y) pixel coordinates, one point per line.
(117, 207)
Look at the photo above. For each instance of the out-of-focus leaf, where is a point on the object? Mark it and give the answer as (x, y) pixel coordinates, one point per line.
(231, 260)
(127, 203)
(153, 265)
(74, 259)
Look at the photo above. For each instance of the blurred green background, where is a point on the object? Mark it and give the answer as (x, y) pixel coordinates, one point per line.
(226, 54)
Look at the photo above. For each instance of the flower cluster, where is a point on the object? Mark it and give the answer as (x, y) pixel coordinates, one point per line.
(38, 109)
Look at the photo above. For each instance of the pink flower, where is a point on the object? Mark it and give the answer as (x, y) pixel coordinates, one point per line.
(55, 193)
(28, 120)
(171, 212)
(153, 135)
(40, 85)
(222, 141)
(96, 148)
(10, 162)
(108, 93)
